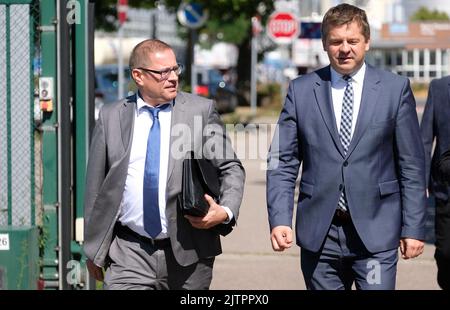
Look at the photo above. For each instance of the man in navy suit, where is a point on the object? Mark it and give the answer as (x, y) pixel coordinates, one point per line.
(436, 126)
(354, 130)
(444, 167)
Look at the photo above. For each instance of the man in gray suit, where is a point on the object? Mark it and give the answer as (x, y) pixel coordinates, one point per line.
(355, 131)
(133, 224)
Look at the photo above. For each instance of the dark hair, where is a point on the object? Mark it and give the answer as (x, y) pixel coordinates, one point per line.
(343, 14)
(139, 55)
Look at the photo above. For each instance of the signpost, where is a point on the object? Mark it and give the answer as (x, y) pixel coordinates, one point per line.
(122, 8)
(193, 16)
(283, 27)
(256, 30)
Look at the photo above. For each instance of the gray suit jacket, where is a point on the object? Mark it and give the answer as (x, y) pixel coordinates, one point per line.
(108, 166)
(383, 171)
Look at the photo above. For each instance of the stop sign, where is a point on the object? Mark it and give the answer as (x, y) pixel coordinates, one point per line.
(122, 8)
(283, 27)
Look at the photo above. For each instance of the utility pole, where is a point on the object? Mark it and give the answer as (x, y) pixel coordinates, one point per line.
(122, 8)
(256, 30)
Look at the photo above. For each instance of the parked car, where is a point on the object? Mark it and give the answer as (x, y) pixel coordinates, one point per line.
(211, 83)
(106, 85)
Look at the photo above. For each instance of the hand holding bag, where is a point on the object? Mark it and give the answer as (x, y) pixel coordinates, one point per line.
(200, 177)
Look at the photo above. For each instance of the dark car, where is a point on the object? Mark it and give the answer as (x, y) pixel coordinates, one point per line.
(106, 85)
(213, 84)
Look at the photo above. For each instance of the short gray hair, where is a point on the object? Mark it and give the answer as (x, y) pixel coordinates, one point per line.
(139, 55)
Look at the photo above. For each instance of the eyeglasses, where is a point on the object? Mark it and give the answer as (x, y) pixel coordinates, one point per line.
(164, 74)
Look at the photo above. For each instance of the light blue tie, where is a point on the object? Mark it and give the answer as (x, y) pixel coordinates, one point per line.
(152, 219)
(345, 131)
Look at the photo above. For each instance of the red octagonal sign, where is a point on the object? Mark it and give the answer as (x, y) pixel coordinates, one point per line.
(283, 27)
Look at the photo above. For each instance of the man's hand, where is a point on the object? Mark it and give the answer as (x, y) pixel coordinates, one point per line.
(410, 248)
(94, 270)
(216, 215)
(281, 237)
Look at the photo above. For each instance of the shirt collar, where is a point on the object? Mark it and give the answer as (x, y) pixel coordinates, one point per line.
(141, 103)
(357, 76)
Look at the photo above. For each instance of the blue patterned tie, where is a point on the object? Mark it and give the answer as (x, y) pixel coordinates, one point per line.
(345, 131)
(152, 220)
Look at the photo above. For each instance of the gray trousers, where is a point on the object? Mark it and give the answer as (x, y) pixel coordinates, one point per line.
(136, 264)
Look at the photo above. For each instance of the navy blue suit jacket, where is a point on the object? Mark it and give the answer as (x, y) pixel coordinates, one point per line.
(444, 167)
(436, 126)
(383, 171)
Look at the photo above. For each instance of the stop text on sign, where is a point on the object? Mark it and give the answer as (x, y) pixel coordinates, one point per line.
(283, 27)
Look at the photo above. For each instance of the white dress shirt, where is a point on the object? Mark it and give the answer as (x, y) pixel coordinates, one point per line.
(131, 207)
(131, 212)
(338, 85)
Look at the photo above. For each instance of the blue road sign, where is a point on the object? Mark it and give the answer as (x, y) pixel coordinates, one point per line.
(192, 15)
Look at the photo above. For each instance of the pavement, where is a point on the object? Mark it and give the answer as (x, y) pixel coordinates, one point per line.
(249, 263)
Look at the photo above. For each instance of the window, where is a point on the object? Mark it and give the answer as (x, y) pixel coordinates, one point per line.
(410, 59)
(444, 58)
(399, 58)
(388, 58)
(432, 57)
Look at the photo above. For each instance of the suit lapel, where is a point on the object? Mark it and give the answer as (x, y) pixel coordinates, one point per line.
(369, 99)
(322, 91)
(177, 117)
(126, 115)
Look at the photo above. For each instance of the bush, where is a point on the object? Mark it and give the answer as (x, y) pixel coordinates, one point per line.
(420, 90)
(269, 94)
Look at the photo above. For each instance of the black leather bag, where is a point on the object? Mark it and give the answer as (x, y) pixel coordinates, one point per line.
(200, 177)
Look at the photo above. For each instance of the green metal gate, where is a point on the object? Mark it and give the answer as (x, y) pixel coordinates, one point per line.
(18, 233)
(46, 111)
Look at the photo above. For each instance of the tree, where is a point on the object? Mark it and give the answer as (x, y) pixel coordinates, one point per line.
(423, 14)
(229, 21)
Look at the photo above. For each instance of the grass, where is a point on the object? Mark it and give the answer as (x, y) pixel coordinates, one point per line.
(244, 115)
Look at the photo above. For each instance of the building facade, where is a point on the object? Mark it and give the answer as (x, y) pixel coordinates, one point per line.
(420, 51)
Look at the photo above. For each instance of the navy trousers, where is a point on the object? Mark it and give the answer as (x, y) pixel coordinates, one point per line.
(344, 261)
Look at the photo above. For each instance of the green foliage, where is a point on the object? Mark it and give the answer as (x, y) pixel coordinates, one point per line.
(420, 90)
(423, 14)
(269, 94)
(229, 20)
(44, 235)
(234, 32)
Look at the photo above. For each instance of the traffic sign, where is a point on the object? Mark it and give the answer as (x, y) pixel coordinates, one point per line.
(192, 15)
(122, 8)
(283, 27)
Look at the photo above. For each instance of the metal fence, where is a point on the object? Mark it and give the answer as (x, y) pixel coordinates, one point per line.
(17, 143)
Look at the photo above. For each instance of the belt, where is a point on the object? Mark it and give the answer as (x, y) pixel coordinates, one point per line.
(156, 243)
(341, 216)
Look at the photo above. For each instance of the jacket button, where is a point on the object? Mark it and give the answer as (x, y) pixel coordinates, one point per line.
(341, 187)
(345, 163)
